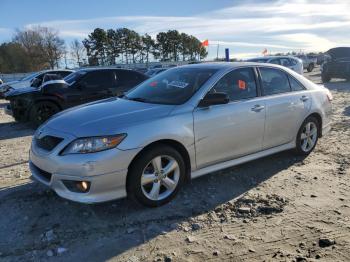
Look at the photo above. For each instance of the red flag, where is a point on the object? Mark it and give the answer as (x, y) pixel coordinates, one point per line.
(205, 43)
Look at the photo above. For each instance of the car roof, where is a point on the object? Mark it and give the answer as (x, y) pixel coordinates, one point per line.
(271, 57)
(55, 70)
(105, 68)
(226, 65)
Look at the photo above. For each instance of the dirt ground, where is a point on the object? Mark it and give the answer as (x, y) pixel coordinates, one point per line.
(279, 208)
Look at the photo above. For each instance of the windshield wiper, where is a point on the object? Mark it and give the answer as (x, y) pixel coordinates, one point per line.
(138, 99)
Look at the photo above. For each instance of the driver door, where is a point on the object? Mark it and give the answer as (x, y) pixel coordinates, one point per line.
(228, 131)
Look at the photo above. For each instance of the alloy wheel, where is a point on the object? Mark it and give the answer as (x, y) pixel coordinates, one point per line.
(160, 177)
(308, 136)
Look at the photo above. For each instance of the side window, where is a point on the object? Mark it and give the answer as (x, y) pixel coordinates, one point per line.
(238, 84)
(63, 74)
(97, 79)
(275, 61)
(274, 81)
(295, 85)
(125, 76)
(293, 62)
(285, 62)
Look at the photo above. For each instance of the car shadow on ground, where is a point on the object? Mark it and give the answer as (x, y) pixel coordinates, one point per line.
(347, 111)
(14, 129)
(340, 86)
(109, 229)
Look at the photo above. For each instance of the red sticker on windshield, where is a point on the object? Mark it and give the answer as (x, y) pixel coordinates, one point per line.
(241, 84)
(153, 84)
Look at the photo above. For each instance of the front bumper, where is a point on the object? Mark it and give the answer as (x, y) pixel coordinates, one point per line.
(103, 187)
(105, 170)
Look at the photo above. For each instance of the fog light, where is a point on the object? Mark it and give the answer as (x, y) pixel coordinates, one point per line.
(77, 186)
(84, 185)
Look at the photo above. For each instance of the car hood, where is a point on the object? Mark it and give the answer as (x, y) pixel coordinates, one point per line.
(339, 52)
(8, 83)
(19, 91)
(106, 117)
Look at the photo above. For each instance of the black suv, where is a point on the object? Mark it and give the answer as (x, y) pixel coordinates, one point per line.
(338, 64)
(37, 104)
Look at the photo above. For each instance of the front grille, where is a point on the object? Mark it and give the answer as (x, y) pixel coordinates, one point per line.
(48, 143)
(46, 176)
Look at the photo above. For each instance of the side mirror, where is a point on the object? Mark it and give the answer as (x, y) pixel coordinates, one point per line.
(214, 99)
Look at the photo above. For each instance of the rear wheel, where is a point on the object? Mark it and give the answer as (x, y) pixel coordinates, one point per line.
(307, 136)
(42, 111)
(156, 176)
(325, 78)
(310, 67)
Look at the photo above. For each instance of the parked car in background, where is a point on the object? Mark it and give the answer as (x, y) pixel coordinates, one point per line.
(27, 81)
(142, 70)
(309, 62)
(337, 65)
(155, 71)
(181, 124)
(293, 63)
(37, 104)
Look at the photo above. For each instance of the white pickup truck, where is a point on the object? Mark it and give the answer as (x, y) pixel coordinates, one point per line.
(309, 62)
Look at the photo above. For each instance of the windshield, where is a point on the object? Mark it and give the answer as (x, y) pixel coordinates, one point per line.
(73, 77)
(31, 76)
(172, 87)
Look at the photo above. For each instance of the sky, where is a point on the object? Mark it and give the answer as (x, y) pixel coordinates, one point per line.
(245, 27)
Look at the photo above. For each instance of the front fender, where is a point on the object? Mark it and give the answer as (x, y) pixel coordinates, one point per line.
(178, 128)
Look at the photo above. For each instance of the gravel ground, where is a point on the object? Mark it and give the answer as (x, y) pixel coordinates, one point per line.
(279, 208)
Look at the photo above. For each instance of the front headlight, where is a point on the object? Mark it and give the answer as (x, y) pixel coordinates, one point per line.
(93, 144)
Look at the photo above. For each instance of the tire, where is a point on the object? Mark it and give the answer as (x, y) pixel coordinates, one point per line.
(307, 140)
(42, 111)
(143, 168)
(310, 68)
(325, 78)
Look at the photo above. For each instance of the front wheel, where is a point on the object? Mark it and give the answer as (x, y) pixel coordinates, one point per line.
(156, 176)
(42, 111)
(307, 136)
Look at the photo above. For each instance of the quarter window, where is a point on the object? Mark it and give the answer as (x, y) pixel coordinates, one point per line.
(274, 81)
(295, 85)
(238, 84)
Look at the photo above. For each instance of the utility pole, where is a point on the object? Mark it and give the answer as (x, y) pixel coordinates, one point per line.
(217, 52)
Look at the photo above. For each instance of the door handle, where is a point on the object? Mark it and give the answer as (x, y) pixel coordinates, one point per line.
(304, 98)
(257, 108)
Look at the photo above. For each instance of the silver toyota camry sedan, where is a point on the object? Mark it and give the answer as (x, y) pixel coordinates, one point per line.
(183, 123)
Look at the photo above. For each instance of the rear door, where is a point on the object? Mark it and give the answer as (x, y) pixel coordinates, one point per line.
(285, 108)
(225, 132)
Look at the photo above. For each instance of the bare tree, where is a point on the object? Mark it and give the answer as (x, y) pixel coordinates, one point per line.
(43, 45)
(54, 46)
(77, 51)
